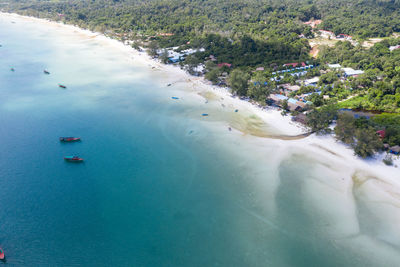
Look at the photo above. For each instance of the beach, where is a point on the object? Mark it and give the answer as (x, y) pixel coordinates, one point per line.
(345, 204)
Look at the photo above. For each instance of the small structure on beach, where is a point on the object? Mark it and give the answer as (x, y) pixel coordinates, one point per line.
(395, 150)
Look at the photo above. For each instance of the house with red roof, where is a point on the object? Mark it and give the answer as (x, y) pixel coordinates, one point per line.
(220, 65)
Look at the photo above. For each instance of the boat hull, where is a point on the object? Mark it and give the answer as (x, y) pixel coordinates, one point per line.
(73, 159)
(70, 139)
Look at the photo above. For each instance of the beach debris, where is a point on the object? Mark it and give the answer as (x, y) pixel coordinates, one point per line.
(169, 84)
(223, 105)
(236, 110)
(175, 97)
(229, 128)
(191, 131)
(204, 114)
(206, 101)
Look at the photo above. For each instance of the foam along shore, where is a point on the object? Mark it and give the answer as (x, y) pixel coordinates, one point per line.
(340, 185)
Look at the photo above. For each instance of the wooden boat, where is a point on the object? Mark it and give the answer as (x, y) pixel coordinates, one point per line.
(2, 255)
(70, 139)
(46, 72)
(62, 86)
(73, 159)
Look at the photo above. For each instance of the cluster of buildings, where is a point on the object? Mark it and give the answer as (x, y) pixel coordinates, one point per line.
(294, 71)
(175, 56)
(333, 36)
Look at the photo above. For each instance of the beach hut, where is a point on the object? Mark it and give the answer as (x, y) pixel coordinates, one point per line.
(395, 150)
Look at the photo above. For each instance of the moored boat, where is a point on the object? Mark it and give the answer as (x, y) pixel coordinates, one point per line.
(70, 139)
(73, 159)
(46, 72)
(62, 86)
(2, 255)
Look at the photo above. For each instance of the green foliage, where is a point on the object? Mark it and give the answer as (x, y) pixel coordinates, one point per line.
(367, 142)
(319, 120)
(344, 130)
(238, 81)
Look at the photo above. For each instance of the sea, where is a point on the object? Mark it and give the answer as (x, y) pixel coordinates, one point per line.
(160, 185)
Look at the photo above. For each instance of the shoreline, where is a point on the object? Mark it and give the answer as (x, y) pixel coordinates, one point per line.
(289, 131)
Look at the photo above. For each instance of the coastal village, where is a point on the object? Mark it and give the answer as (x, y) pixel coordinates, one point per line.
(296, 84)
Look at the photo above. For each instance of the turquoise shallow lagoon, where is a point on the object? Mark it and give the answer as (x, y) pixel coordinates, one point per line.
(160, 186)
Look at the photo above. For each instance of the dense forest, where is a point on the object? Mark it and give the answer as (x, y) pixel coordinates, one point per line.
(244, 35)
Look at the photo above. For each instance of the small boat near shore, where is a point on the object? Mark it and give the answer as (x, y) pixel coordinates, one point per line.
(70, 139)
(174, 97)
(12, 69)
(204, 114)
(62, 86)
(46, 72)
(73, 159)
(2, 255)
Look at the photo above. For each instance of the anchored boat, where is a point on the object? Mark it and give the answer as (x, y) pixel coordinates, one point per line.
(70, 139)
(2, 256)
(73, 159)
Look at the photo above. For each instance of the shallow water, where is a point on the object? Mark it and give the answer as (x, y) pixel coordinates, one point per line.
(160, 185)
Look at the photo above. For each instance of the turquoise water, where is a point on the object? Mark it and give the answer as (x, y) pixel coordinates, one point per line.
(158, 186)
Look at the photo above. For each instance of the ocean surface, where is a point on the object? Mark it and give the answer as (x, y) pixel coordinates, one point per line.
(161, 185)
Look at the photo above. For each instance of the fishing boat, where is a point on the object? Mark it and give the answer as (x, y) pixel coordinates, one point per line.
(2, 255)
(70, 139)
(73, 159)
(62, 86)
(46, 72)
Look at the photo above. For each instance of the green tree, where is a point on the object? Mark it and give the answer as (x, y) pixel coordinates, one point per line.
(344, 130)
(367, 142)
(238, 81)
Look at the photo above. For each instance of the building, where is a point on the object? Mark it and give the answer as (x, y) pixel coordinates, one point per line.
(294, 64)
(391, 48)
(295, 105)
(220, 65)
(351, 72)
(311, 82)
(313, 23)
(277, 98)
(289, 87)
(395, 150)
(334, 66)
(381, 133)
(326, 34)
(344, 36)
